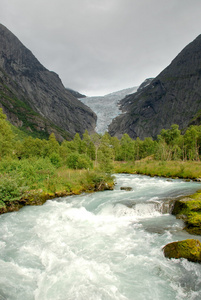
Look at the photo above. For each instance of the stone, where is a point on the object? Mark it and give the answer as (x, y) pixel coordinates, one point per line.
(189, 249)
(126, 188)
(189, 209)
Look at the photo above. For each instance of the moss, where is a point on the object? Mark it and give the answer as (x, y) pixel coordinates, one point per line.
(193, 223)
(189, 209)
(189, 249)
(39, 197)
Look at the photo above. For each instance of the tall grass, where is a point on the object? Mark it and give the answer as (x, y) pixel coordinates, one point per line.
(38, 177)
(180, 169)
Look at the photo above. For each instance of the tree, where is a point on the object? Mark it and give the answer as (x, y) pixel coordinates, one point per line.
(127, 147)
(105, 154)
(116, 146)
(169, 144)
(96, 140)
(88, 146)
(171, 135)
(147, 147)
(192, 142)
(31, 147)
(6, 136)
(79, 161)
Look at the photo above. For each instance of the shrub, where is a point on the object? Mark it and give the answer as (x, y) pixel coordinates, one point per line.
(55, 159)
(79, 161)
(10, 188)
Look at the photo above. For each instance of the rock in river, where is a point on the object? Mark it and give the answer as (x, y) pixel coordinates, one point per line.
(126, 188)
(189, 249)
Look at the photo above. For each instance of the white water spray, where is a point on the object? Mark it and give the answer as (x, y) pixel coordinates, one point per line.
(105, 245)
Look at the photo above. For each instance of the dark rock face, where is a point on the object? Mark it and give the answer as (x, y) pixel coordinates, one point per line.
(173, 97)
(22, 76)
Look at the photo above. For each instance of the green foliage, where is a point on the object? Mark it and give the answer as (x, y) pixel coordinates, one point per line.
(181, 169)
(105, 154)
(6, 136)
(28, 163)
(84, 162)
(128, 149)
(79, 161)
(192, 143)
(170, 136)
(10, 188)
(55, 159)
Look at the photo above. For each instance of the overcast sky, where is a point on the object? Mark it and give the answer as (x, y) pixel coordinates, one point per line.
(102, 46)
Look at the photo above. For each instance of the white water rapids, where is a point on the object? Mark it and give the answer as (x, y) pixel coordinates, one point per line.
(100, 246)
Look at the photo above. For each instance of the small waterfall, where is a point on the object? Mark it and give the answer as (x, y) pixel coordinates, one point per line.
(150, 208)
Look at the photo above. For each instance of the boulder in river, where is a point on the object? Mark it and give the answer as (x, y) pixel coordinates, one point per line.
(189, 209)
(189, 249)
(126, 188)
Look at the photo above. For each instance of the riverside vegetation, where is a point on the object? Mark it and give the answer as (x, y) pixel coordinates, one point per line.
(33, 170)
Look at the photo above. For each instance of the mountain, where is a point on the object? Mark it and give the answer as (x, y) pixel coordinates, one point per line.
(173, 97)
(106, 107)
(34, 98)
(75, 93)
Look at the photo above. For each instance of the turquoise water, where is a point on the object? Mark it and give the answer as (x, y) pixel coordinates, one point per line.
(105, 245)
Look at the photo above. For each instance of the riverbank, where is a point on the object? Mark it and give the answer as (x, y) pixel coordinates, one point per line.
(64, 182)
(168, 169)
(186, 208)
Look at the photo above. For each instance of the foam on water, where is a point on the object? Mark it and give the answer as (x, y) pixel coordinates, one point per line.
(105, 245)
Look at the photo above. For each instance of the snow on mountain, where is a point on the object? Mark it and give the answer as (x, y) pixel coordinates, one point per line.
(106, 107)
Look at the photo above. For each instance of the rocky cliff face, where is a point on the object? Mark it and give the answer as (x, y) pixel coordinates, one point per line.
(174, 96)
(27, 86)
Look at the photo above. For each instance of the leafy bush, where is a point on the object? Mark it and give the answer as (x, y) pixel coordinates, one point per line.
(55, 159)
(10, 188)
(79, 161)
(32, 171)
(84, 162)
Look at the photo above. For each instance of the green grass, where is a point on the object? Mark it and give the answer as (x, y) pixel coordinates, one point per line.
(33, 180)
(180, 169)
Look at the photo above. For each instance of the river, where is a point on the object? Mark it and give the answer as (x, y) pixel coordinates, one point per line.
(99, 246)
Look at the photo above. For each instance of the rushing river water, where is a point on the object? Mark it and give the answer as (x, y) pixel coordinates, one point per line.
(100, 246)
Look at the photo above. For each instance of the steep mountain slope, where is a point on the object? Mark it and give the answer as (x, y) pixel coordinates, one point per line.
(75, 93)
(106, 107)
(174, 96)
(28, 87)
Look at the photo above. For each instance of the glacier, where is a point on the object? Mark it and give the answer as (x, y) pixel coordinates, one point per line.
(107, 107)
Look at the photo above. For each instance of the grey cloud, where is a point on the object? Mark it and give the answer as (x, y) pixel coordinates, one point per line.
(99, 46)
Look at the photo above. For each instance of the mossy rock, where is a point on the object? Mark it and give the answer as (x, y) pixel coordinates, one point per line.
(189, 249)
(189, 209)
(181, 206)
(193, 223)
